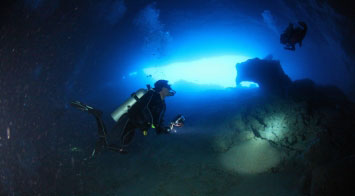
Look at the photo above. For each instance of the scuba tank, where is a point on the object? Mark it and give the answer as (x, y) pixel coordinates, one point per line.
(129, 103)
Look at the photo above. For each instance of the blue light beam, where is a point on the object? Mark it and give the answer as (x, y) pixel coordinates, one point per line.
(248, 84)
(219, 71)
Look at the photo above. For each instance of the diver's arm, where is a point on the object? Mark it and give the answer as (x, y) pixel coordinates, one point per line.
(161, 128)
(159, 125)
(159, 122)
(303, 25)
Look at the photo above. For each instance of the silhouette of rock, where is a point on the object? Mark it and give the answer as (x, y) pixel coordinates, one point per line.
(267, 73)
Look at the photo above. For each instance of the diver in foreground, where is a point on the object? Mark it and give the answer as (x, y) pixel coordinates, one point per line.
(144, 110)
(291, 36)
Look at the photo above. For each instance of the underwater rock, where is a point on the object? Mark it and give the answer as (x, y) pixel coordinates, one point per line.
(311, 129)
(320, 152)
(267, 73)
(317, 95)
(283, 123)
(301, 90)
(294, 126)
(227, 137)
(224, 141)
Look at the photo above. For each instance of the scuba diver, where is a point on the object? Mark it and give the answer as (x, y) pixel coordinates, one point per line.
(145, 109)
(291, 36)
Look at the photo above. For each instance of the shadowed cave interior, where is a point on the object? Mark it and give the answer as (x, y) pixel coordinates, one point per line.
(260, 119)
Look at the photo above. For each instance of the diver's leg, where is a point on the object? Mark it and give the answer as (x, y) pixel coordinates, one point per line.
(127, 136)
(96, 113)
(293, 47)
(102, 141)
(101, 128)
(300, 43)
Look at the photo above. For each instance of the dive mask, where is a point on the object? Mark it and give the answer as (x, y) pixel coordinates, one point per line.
(172, 92)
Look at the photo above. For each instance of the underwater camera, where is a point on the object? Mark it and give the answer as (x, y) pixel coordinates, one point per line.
(178, 121)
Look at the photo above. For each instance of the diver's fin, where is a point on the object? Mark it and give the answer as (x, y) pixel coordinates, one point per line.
(83, 107)
(101, 144)
(80, 106)
(115, 148)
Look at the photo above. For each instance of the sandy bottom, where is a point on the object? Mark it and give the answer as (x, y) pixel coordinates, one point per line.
(185, 164)
(251, 157)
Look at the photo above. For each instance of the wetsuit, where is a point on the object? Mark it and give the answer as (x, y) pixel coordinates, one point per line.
(291, 36)
(148, 111)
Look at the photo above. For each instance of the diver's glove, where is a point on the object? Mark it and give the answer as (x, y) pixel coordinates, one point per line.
(162, 130)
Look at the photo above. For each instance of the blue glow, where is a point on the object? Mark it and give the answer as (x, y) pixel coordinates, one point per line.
(219, 71)
(133, 73)
(248, 84)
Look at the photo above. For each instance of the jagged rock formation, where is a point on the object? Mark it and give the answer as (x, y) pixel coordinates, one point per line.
(311, 126)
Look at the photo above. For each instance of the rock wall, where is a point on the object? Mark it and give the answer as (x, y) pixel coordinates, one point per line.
(310, 127)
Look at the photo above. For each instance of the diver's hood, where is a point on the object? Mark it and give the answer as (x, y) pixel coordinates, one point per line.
(171, 91)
